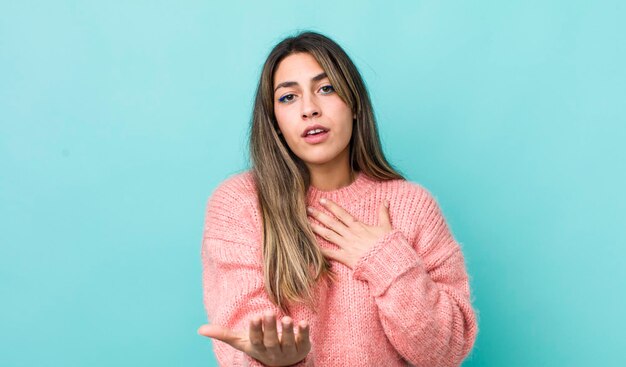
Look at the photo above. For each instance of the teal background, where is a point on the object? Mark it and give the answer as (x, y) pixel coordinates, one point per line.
(119, 118)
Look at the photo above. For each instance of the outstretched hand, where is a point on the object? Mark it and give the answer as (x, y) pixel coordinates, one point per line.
(352, 236)
(263, 342)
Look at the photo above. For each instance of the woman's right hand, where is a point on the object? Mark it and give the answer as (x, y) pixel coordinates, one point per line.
(262, 341)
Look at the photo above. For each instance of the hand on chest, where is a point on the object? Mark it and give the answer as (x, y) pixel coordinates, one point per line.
(342, 235)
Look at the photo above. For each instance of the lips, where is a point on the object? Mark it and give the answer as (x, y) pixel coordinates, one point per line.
(313, 127)
(317, 138)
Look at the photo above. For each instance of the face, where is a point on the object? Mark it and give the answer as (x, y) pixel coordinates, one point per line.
(304, 103)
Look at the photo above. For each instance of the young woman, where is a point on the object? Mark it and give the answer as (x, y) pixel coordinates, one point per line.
(322, 254)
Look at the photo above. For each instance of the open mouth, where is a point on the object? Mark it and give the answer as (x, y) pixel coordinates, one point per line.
(316, 136)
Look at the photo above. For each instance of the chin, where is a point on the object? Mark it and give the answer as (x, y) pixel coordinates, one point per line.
(318, 160)
(321, 157)
(315, 161)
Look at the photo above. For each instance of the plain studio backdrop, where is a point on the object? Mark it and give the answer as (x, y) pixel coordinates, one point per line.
(119, 118)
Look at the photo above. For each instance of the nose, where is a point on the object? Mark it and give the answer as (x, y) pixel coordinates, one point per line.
(310, 108)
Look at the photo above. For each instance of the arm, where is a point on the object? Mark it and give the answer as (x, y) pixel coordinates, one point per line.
(422, 291)
(232, 276)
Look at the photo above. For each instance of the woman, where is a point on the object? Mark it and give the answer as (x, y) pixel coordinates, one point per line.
(322, 254)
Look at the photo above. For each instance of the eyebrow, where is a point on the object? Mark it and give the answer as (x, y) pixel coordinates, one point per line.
(316, 78)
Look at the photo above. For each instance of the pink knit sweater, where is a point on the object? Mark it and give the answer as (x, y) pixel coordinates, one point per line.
(406, 302)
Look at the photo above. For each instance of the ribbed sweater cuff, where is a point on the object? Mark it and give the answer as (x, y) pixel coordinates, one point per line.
(389, 258)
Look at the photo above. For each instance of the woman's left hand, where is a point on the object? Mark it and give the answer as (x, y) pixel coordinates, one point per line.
(352, 236)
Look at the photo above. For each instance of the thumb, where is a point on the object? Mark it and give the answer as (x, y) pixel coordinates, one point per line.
(384, 218)
(221, 333)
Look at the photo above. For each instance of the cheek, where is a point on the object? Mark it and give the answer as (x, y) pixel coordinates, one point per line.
(281, 120)
(346, 135)
(343, 120)
(287, 128)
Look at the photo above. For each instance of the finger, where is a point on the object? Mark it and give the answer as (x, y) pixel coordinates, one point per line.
(302, 338)
(328, 220)
(224, 334)
(287, 341)
(384, 218)
(256, 333)
(327, 234)
(270, 335)
(339, 212)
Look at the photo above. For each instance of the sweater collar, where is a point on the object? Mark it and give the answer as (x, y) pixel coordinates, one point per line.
(343, 195)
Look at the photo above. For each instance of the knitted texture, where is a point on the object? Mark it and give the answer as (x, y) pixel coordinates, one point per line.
(406, 302)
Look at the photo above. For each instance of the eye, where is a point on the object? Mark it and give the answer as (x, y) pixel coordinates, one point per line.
(327, 89)
(286, 98)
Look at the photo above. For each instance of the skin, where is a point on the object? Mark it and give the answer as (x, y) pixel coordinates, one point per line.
(297, 106)
(263, 342)
(311, 102)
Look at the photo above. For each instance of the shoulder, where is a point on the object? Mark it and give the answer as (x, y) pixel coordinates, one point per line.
(412, 200)
(232, 213)
(237, 188)
(408, 191)
(234, 203)
(241, 182)
(415, 209)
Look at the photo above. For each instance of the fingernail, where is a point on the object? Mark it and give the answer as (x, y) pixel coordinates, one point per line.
(309, 209)
(322, 201)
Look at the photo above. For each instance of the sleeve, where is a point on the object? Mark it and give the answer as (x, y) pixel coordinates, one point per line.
(232, 275)
(422, 291)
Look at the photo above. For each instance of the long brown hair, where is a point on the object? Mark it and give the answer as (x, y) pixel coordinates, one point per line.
(292, 261)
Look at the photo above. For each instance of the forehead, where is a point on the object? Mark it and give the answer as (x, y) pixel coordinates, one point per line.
(297, 67)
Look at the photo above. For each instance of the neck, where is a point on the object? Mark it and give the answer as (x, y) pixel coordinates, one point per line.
(332, 175)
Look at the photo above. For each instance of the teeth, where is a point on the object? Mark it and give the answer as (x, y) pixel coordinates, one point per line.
(316, 131)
